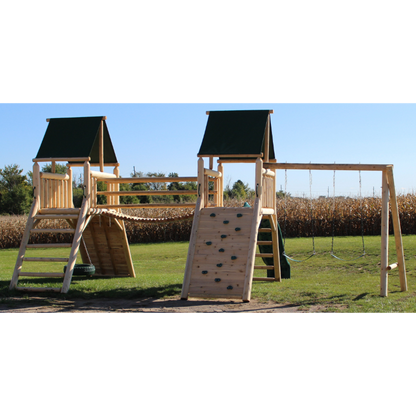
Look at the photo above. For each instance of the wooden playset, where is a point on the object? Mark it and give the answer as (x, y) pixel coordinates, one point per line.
(224, 241)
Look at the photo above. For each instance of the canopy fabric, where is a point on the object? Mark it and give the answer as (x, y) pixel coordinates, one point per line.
(239, 132)
(76, 137)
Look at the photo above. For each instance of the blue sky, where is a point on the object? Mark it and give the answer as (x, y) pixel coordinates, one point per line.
(166, 138)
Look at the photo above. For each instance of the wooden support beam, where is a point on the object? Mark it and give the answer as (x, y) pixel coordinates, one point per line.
(153, 180)
(191, 249)
(142, 193)
(127, 206)
(254, 156)
(23, 243)
(75, 245)
(384, 236)
(212, 173)
(267, 140)
(61, 159)
(326, 166)
(397, 230)
(101, 146)
(251, 256)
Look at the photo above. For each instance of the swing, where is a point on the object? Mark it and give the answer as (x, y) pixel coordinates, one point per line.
(312, 220)
(333, 223)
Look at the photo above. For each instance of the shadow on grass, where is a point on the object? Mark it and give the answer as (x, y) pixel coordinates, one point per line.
(112, 293)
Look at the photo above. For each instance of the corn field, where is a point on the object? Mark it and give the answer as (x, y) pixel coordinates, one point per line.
(298, 217)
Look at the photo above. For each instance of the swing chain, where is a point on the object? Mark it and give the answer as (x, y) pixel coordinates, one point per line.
(312, 220)
(333, 219)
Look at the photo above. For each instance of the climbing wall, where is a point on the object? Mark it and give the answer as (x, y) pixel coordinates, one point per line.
(221, 252)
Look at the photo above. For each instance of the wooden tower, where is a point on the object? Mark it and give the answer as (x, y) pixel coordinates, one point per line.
(85, 142)
(222, 250)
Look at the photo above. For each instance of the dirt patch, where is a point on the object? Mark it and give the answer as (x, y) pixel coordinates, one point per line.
(173, 305)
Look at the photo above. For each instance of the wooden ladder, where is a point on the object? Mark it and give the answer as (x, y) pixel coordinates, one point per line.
(275, 255)
(77, 219)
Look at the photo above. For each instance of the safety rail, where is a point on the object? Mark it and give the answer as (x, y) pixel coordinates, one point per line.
(269, 189)
(113, 192)
(54, 190)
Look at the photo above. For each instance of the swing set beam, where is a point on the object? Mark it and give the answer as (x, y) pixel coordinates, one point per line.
(327, 166)
(389, 201)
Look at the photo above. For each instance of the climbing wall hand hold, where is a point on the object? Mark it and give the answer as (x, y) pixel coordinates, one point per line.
(233, 257)
(221, 250)
(204, 271)
(226, 222)
(223, 236)
(239, 215)
(217, 280)
(212, 215)
(229, 287)
(238, 229)
(219, 265)
(208, 243)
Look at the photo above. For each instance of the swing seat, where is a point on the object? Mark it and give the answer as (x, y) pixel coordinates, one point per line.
(83, 270)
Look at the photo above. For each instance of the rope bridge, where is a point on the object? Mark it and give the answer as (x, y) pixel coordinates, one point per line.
(125, 217)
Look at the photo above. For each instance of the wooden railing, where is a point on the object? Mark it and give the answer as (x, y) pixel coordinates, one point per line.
(113, 193)
(269, 189)
(55, 190)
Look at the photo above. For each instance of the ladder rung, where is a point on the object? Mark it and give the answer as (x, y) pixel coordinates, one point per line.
(264, 243)
(38, 289)
(53, 259)
(265, 230)
(56, 217)
(269, 255)
(59, 245)
(40, 274)
(264, 267)
(53, 230)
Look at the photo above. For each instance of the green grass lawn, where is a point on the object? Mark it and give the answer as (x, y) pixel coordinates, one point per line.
(348, 286)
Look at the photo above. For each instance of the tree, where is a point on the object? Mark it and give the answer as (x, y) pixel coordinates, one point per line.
(15, 191)
(239, 190)
(59, 168)
(181, 186)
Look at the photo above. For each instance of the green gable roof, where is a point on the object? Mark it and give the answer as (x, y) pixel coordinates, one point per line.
(76, 137)
(236, 133)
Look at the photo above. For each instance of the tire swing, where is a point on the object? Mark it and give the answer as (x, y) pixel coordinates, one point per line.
(87, 270)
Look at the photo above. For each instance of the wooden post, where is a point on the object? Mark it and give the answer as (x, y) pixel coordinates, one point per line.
(276, 252)
(259, 178)
(267, 140)
(201, 181)
(274, 194)
(397, 230)
(116, 186)
(87, 183)
(211, 162)
(101, 146)
(76, 243)
(70, 202)
(191, 249)
(36, 180)
(221, 186)
(251, 257)
(384, 236)
(53, 167)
